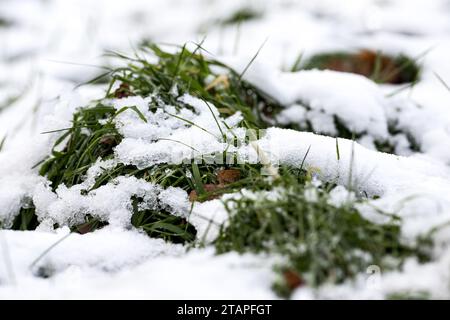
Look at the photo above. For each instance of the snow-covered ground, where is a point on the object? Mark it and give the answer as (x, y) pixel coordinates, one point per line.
(49, 47)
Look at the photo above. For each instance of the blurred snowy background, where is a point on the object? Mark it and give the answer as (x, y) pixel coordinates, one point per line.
(48, 45)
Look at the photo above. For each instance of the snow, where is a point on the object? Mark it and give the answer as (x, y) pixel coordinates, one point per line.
(113, 263)
(167, 136)
(120, 262)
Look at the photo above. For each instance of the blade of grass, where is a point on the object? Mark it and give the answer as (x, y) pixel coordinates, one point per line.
(337, 150)
(197, 179)
(46, 251)
(441, 81)
(191, 123)
(296, 66)
(180, 142)
(252, 60)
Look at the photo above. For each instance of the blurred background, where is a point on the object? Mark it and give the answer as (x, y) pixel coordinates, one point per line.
(48, 47)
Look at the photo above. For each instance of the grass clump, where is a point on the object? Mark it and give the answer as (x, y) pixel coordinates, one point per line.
(26, 219)
(373, 65)
(175, 74)
(93, 133)
(321, 242)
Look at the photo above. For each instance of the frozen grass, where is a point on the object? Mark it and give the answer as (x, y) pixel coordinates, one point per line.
(193, 73)
(321, 241)
(93, 134)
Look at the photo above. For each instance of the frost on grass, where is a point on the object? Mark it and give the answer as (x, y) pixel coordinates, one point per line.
(322, 242)
(136, 159)
(110, 202)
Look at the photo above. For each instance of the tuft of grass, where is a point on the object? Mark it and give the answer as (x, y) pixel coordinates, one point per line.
(93, 133)
(321, 242)
(191, 72)
(88, 139)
